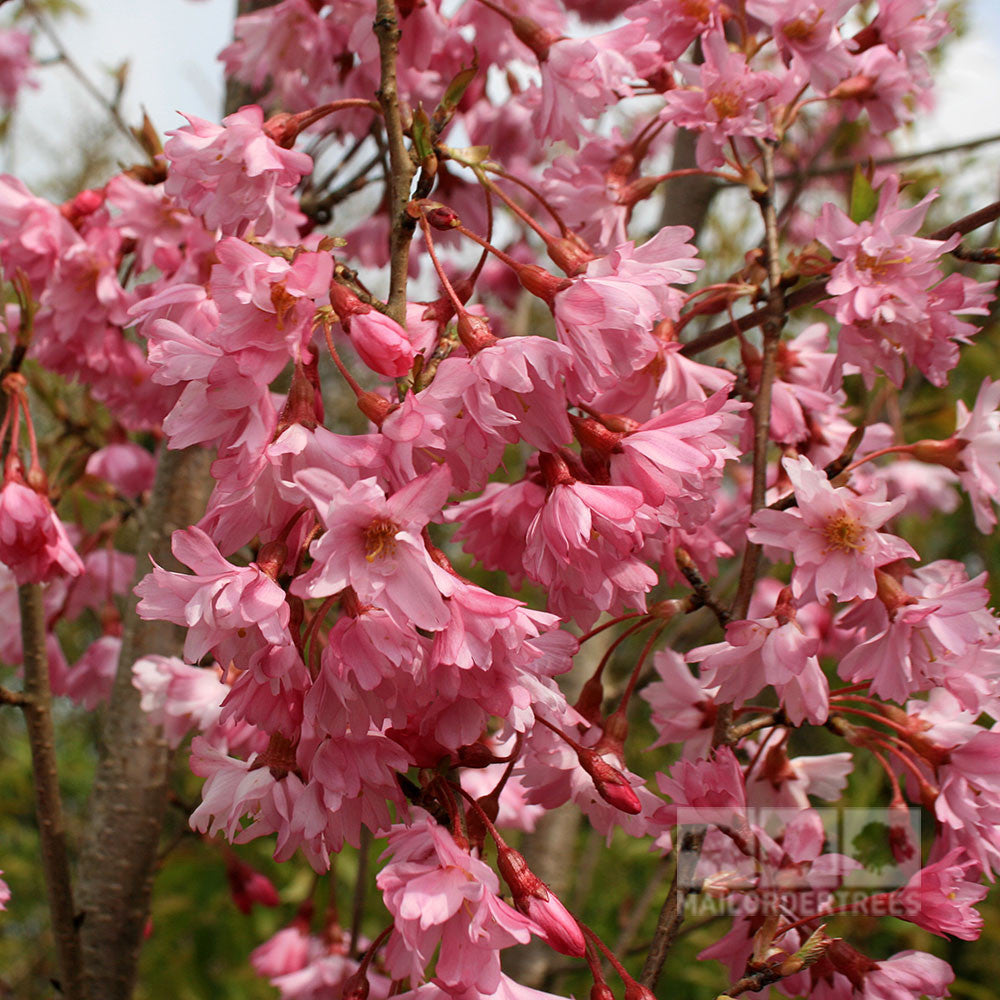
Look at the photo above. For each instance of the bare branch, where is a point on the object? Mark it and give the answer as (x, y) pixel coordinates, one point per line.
(37, 707)
(400, 163)
(814, 291)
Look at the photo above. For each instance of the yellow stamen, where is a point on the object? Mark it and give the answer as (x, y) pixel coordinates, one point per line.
(380, 538)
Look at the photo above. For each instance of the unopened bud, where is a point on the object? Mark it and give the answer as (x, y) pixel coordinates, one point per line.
(271, 558)
(611, 784)
(442, 218)
(601, 991)
(555, 924)
(636, 991)
(809, 954)
(356, 986)
(84, 204)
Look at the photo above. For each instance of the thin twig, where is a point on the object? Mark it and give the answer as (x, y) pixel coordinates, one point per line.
(775, 718)
(12, 698)
(48, 803)
(814, 291)
(773, 323)
(47, 29)
(671, 916)
(700, 586)
(360, 890)
(400, 164)
(849, 166)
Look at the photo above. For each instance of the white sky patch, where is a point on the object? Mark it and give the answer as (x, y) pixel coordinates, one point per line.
(172, 47)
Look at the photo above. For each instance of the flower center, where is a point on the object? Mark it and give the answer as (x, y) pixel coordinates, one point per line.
(726, 103)
(844, 533)
(380, 538)
(697, 10)
(877, 266)
(801, 30)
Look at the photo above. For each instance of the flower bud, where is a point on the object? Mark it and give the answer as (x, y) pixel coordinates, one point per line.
(636, 991)
(611, 784)
(555, 924)
(271, 558)
(356, 986)
(248, 886)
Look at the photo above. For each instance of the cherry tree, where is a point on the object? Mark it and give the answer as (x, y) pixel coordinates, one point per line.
(461, 467)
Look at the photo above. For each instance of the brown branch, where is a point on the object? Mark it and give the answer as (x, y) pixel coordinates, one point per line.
(849, 166)
(132, 783)
(775, 718)
(8, 697)
(37, 707)
(400, 164)
(773, 323)
(813, 292)
(700, 586)
(671, 916)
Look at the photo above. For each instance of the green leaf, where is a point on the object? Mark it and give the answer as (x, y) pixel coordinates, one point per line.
(864, 200)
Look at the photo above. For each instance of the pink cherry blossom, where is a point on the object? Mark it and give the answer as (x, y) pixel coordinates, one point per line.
(598, 530)
(724, 101)
(230, 174)
(373, 543)
(940, 897)
(605, 316)
(227, 608)
(128, 467)
(441, 896)
(33, 541)
(831, 535)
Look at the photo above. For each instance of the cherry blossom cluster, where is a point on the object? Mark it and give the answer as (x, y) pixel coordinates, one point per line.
(346, 672)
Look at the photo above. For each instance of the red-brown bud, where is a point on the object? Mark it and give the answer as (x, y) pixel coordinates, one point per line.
(556, 925)
(271, 558)
(611, 784)
(636, 991)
